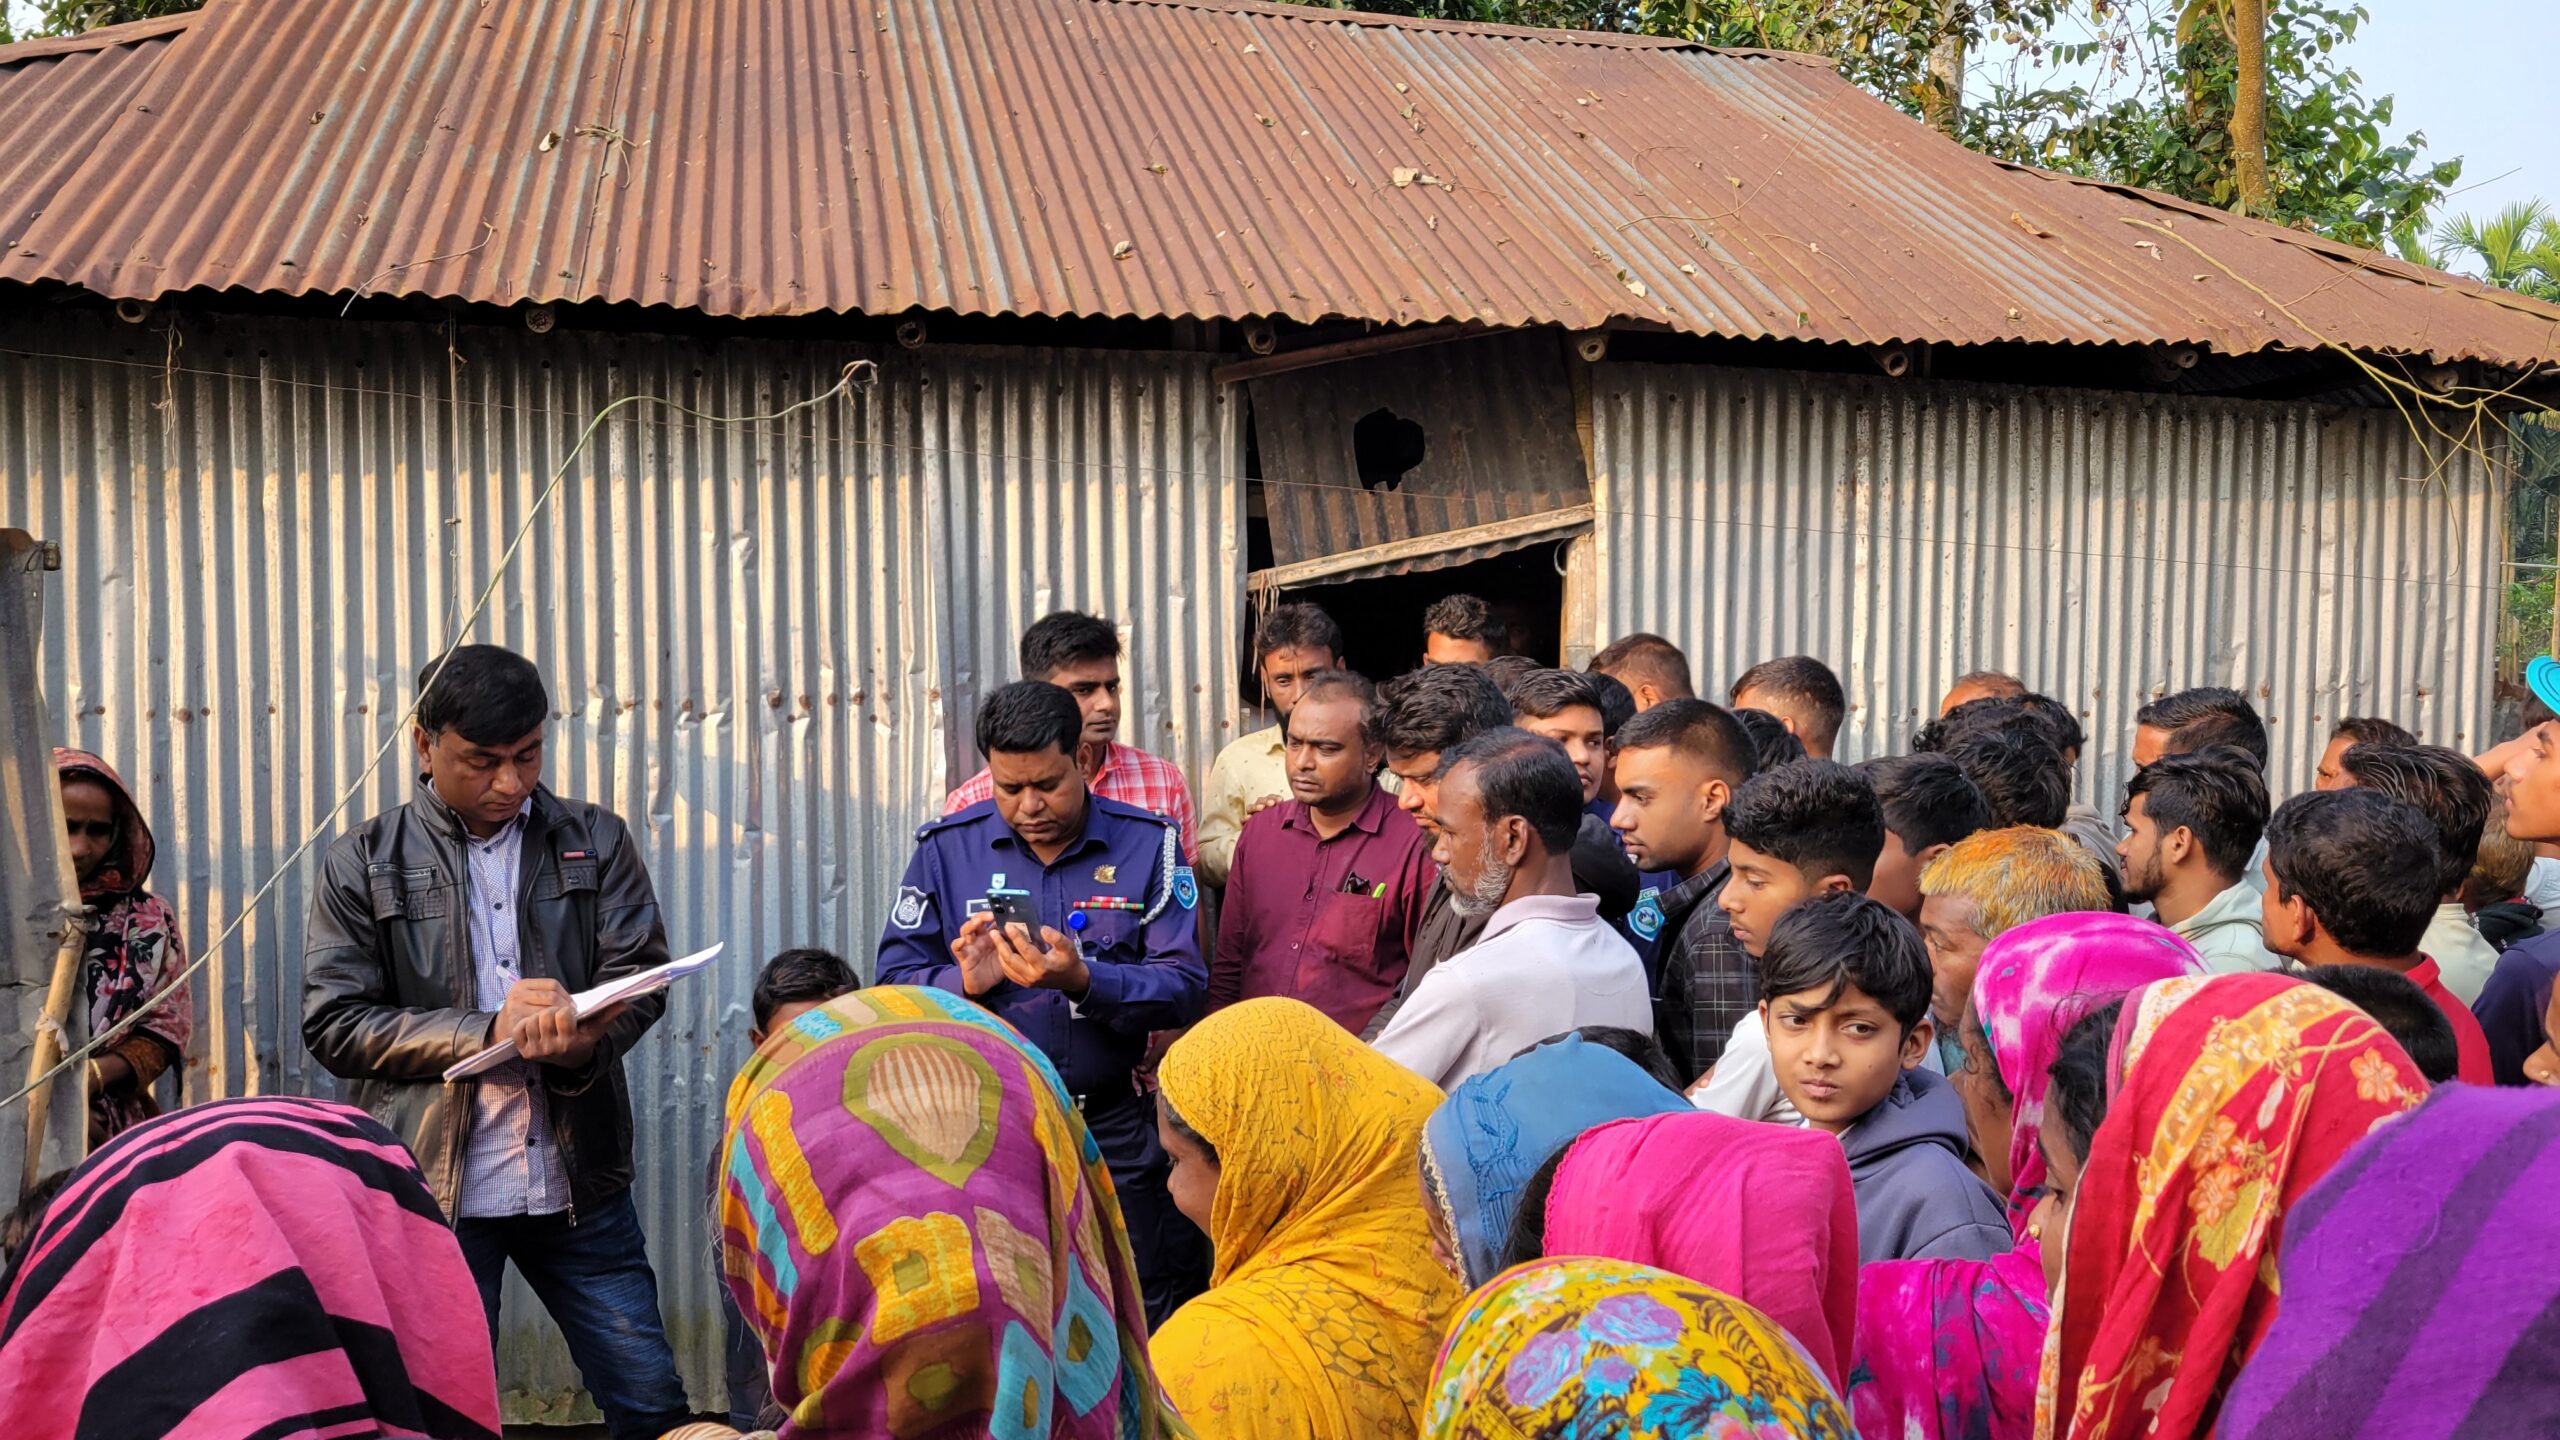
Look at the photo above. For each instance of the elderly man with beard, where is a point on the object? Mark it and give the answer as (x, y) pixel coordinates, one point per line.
(1508, 807)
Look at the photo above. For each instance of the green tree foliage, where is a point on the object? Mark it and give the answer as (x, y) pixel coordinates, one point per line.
(2334, 165)
(70, 17)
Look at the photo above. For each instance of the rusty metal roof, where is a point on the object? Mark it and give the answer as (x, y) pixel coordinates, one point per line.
(1138, 158)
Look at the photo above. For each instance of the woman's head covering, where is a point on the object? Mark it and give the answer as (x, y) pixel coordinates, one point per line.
(272, 1267)
(1496, 1129)
(1325, 1304)
(2035, 983)
(1947, 1349)
(1763, 1213)
(1602, 1347)
(128, 865)
(2420, 1297)
(135, 952)
(922, 1235)
(2234, 1095)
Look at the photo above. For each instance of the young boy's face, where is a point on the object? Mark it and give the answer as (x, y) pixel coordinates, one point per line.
(1897, 877)
(1760, 890)
(1837, 1063)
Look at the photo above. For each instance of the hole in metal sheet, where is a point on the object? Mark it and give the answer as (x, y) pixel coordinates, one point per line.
(1386, 446)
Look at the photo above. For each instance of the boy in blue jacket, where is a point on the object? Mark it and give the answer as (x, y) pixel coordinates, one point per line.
(1844, 987)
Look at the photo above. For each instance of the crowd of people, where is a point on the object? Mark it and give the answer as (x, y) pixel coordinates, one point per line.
(1497, 1051)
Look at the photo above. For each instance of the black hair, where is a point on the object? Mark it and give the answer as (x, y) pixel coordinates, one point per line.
(1506, 671)
(2244, 733)
(1636, 1045)
(1438, 707)
(1527, 775)
(1772, 743)
(2217, 794)
(1296, 627)
(1705, 732)
(1183, 1128)
(1527, 1238)
(1617, 702)
(1029, 716)
(1832, 941)
(1463, 617)
(2024, 779)
(1336, 684)
(1063, 638)
(2372, 730)
(2040, 716)
(1806, 682)
(1649, 658)
(2366, 864)
(2235, 720)
(487, 694)
(1818, 815)
(1543, 694)
(2185, 707)
(797, 976)
(2061, 726)
(2407, 1013)
(2078, 1096)
(2443, 784)
(19, 1226)
(1927, 799)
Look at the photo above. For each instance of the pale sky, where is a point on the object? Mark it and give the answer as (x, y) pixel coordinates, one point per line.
(2469, 74)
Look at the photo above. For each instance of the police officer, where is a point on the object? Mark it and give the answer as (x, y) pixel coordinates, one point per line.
(1116, 953)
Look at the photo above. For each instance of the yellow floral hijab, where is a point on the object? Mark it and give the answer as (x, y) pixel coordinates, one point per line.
(1325, 1305)
(1590, 1347)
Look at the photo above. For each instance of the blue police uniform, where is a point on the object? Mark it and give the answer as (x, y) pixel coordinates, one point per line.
(1140, 931)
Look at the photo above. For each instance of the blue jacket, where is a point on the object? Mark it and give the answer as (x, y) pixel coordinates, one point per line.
(1147, 971)
(1916, 1198)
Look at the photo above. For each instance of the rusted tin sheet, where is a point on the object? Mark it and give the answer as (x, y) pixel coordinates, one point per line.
(1137, 158)
(2105, 548)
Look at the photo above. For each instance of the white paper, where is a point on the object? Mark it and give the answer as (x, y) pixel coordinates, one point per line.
(612, 992)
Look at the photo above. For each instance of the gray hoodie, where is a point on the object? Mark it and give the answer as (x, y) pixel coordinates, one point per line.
(1916, 1198)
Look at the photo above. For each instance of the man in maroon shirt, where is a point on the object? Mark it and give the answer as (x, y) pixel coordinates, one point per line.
(1326, 890)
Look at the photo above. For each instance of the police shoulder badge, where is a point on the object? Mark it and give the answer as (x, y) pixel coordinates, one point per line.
(908, 913)
(1186, 891)
(1646, 918)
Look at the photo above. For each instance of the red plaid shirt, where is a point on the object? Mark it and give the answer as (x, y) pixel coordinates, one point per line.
(1129, 775)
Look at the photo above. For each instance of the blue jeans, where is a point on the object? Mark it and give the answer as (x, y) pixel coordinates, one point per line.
(595, 1280)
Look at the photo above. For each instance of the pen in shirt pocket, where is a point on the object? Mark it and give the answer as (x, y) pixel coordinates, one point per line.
(1352, 884)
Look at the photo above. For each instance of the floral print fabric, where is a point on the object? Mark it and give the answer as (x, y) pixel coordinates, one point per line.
(921, 1233)
(2235, 1095)
(1583, 1349)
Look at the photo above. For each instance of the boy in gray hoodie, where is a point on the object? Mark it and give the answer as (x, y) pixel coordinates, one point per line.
(1844, 991)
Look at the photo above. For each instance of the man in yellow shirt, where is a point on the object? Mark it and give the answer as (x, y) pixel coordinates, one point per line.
(1291, 643)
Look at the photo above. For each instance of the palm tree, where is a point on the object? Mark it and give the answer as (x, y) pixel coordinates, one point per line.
(2517, 249)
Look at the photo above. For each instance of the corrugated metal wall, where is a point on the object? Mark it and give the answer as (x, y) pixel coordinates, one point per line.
(763, 640)
(2105, 547)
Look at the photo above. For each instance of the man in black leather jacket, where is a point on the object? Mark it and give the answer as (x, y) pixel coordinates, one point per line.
(469, 915)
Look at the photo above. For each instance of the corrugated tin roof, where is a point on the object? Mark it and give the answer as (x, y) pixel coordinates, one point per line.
(1138, 158)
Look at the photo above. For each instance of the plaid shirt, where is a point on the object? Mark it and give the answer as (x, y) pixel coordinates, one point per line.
(1128, 775)
(1705, 967)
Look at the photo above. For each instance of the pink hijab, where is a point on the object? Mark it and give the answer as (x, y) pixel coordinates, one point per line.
(2037, 980)
(1690, 1193)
